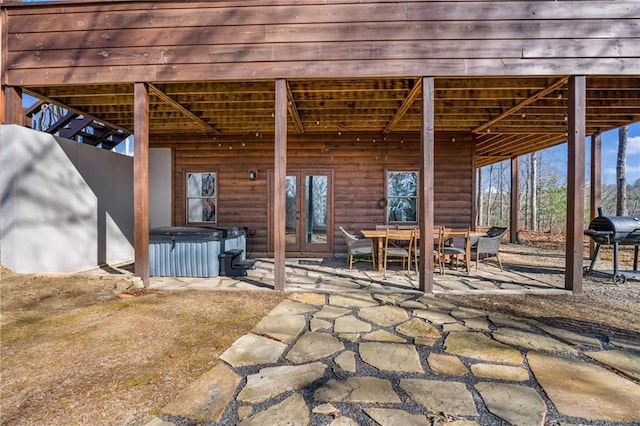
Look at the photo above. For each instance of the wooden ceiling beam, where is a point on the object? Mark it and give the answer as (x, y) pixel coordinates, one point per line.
(406, 104)
(524, 145)
(293, 111)
(561, 82)
(491, 83)
(531, 131)
(487, 147)
(218, 88)
(168, 99)
(511, 145)
(482, 161)
(387, 85)
(91, 90)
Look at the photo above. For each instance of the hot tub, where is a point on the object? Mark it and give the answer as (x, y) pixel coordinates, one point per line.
(234, 238)
(185, 251)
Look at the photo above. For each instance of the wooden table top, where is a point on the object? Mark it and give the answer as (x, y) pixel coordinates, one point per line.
(381, 233)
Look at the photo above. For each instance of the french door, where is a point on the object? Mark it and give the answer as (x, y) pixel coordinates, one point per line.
(309, 211)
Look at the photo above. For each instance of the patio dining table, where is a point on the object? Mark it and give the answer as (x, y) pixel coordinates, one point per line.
(378, 236)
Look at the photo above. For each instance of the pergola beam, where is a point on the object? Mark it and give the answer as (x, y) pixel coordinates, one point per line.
(528, 101)
(406, 104)
(177, 105)
(293, 111)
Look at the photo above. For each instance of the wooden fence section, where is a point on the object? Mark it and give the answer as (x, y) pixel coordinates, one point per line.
(173, 41)
(359, 173)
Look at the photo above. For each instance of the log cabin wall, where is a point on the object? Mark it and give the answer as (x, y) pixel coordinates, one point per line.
(111, 42)
(358, 182)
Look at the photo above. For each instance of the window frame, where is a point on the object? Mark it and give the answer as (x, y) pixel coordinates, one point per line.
(388, 197)
(187, 197)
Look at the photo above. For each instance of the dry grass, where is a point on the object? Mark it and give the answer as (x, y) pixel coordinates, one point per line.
(69, 356)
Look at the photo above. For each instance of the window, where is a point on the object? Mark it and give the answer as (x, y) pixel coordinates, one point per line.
(201, 198)
(402, 197)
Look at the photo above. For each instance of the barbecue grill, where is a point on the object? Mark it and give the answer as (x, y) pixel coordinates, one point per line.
(616, 231)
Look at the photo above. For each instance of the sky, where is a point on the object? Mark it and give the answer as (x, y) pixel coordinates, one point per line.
(610, 155)
(555, 157)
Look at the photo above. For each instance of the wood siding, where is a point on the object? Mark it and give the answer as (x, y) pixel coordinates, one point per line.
(187, 41)
(359, 172)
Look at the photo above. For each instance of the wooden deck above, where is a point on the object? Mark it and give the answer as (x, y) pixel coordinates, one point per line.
(500, 67)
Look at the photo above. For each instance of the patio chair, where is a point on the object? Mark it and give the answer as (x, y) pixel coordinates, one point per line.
(357, 247)
(494, 231)
(489, 245)
(398, 244)
(437, 249)
(457, 244)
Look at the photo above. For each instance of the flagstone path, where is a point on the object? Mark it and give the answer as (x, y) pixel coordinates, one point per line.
(393, 359)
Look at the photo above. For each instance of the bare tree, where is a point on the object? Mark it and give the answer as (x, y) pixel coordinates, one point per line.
(488, 210)
(621, 181)
(524, 193)
(501, 199)
(533, 185)
(480, 197)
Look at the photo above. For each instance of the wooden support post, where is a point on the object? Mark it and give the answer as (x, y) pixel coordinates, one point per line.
(595, 199)
(279, 185)
(474, 191)
(3, 66)
(479, 196)
(13, 111)
(575, 184)
(514, 217)
(141, 181)
(427, 143)
(3, 106)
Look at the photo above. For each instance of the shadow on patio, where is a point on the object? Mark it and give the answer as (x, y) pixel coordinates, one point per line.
(526, 270)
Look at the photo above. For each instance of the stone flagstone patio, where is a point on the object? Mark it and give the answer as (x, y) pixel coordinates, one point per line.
(332, 275)
(409, 359)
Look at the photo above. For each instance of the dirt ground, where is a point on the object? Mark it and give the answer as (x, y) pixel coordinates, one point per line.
(603, 305)
(604, 310)
(74, 353)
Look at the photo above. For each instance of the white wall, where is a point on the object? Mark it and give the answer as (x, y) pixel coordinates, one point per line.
(64, 206)
(159, 187)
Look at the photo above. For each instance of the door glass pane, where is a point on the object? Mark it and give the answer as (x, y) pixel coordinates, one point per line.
(292, 210)
(316, 200)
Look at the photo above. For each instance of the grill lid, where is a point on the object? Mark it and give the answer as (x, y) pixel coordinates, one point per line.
(610, 229)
